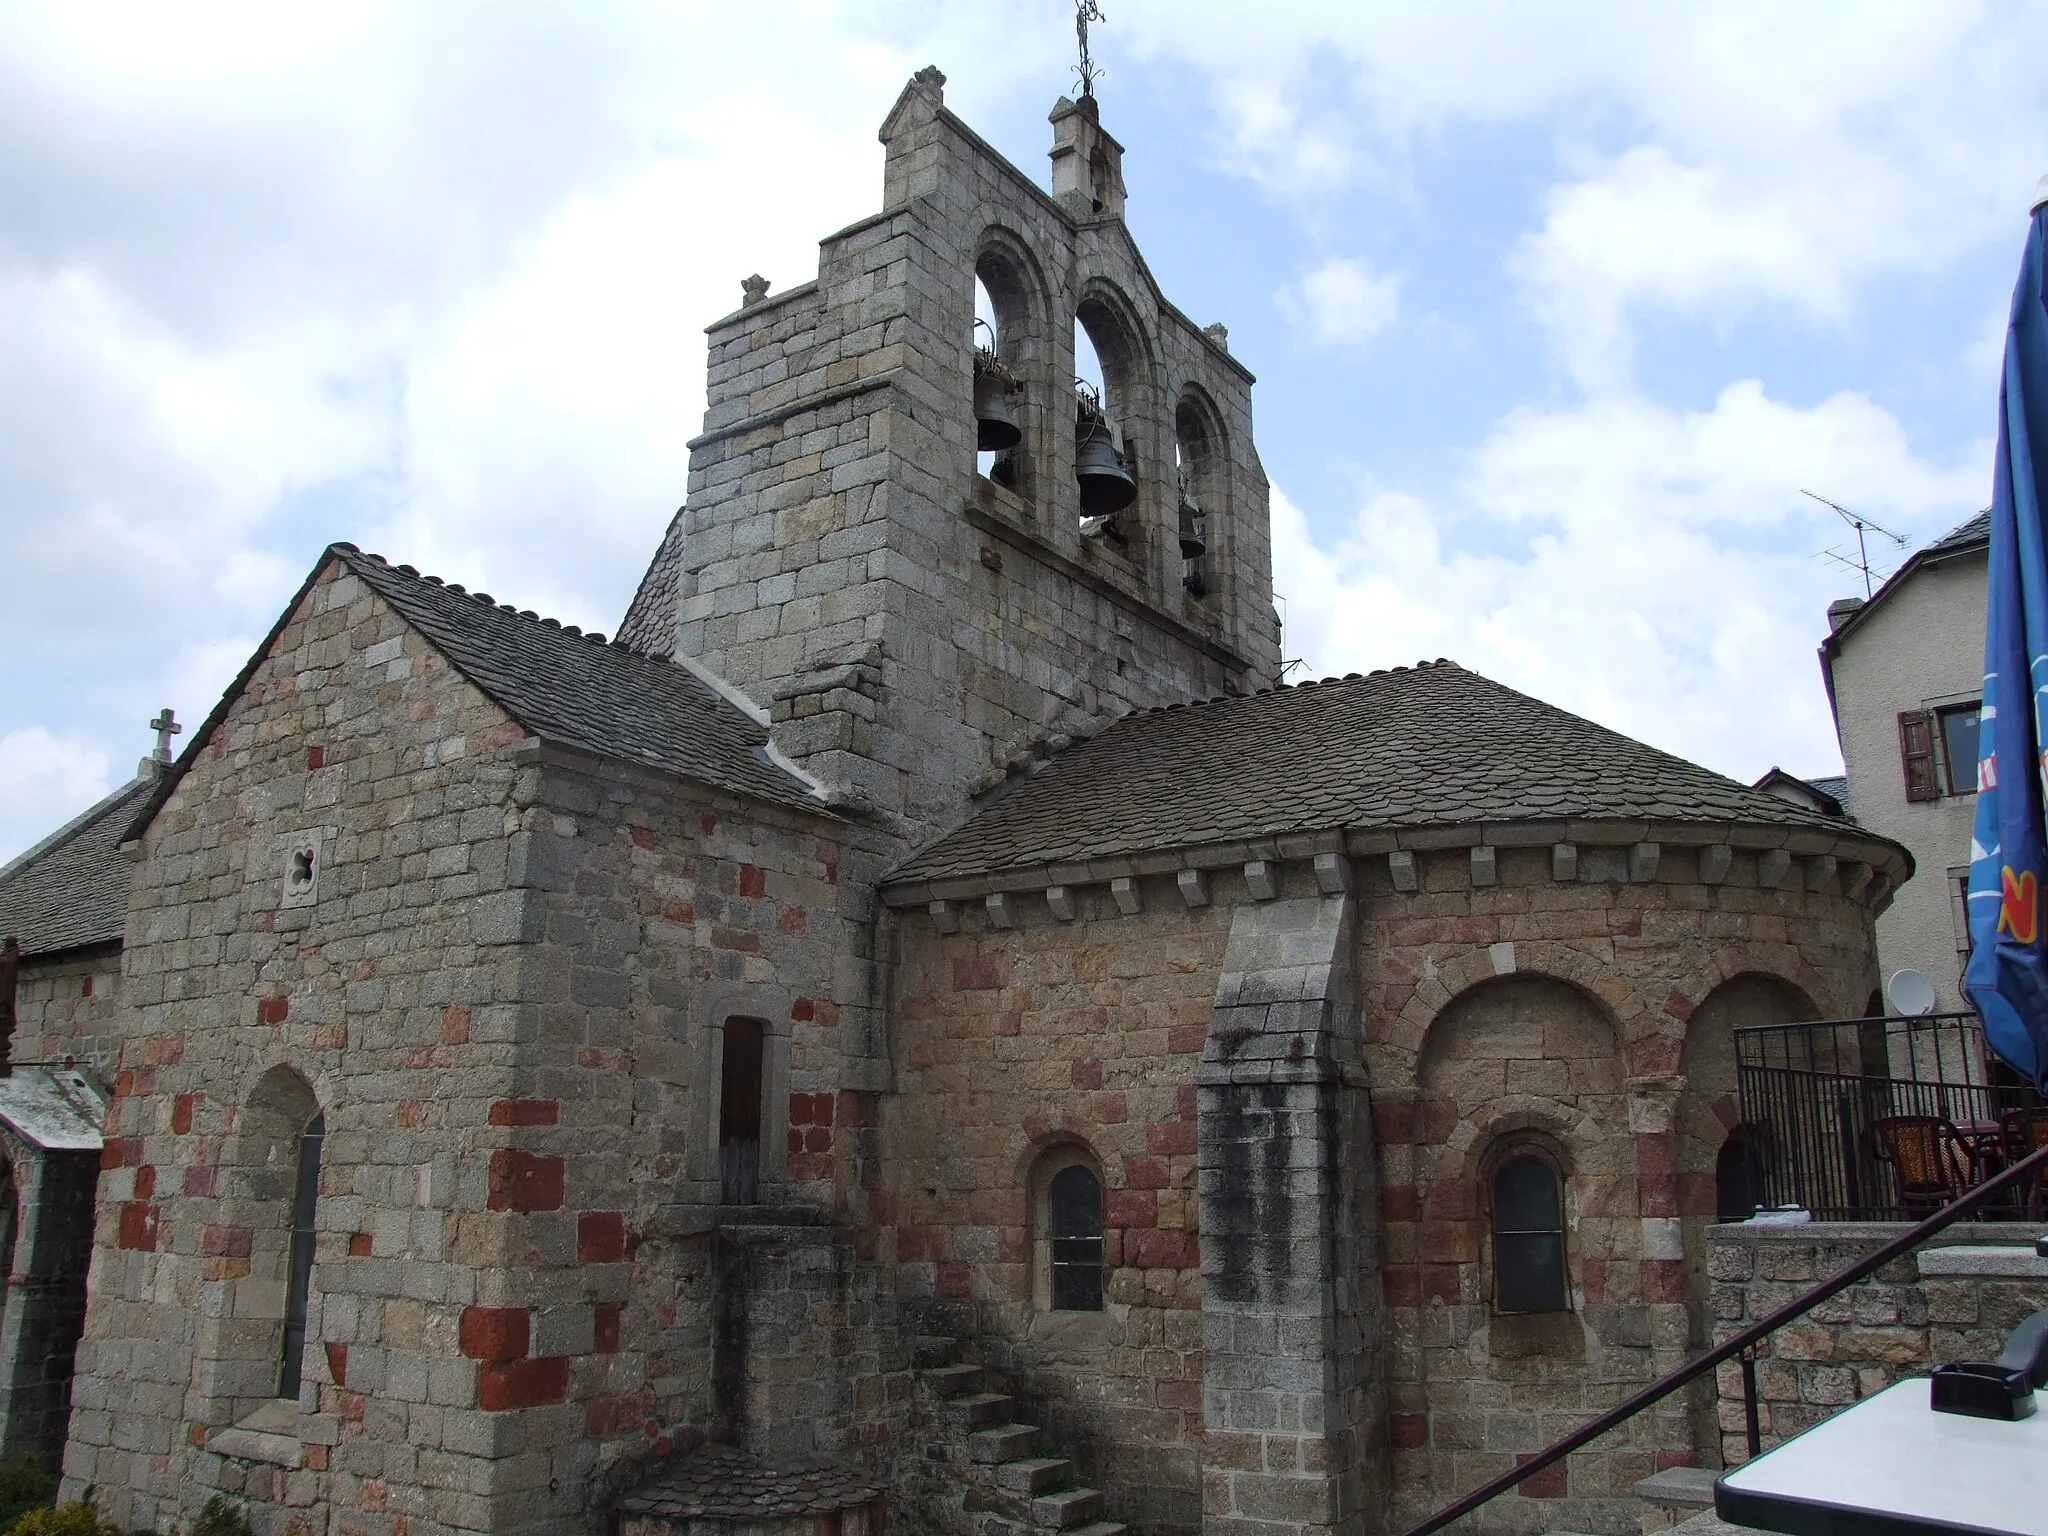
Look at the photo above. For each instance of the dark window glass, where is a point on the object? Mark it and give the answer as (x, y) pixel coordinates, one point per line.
(1528, 1237)
(1075, 1198)
(1959, 745)
(305, 1209)
(739, 1113)
(1738, 1180)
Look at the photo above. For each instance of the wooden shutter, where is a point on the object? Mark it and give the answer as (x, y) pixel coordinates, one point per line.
(1916, 753)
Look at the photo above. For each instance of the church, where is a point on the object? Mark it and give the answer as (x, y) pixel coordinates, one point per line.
(922, 1029)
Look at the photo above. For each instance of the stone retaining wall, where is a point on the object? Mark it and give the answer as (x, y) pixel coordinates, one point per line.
(1955, 1301)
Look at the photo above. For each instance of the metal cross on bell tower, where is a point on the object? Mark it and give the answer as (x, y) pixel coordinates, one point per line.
(1086, 11)
(166, 726)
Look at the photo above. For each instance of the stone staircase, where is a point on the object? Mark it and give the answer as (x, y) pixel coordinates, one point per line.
(1009, 1480)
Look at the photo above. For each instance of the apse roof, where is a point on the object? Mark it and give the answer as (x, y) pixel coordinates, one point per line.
(1431, 745)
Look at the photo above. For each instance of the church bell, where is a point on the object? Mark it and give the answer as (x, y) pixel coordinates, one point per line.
(995, 423)
(1106, 486)
(1192, 545)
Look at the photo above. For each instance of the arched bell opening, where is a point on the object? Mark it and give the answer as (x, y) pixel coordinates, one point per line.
(1008, 364)
(1109, 413)
(1200, 489)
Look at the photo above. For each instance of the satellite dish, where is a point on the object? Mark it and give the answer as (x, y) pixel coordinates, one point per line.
(1910, 993)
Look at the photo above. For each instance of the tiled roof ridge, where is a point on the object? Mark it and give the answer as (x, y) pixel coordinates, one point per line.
(1286, 687)
(485, 598)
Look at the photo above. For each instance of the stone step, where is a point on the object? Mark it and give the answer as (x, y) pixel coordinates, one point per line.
(1035, 1475)
(980, 1410)
(1064, 1511)
(1679, 1488)
(950, 1381)
(933, 1350)
(1006, 1442)
(1099, 1528)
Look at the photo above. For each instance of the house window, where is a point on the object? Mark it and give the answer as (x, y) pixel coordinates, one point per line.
(299, 1274)
(1528, 1236)
(1959, 746)
(1074, 1225)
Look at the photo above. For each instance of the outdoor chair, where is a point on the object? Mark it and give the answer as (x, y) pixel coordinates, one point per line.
(1933, 1161)
(2026, 1132)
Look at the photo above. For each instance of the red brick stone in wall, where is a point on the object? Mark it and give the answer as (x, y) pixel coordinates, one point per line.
(600, 1237)
(526, 1112)
(521, 1383)
(138, 1226)
(525, 1181)
(494, 1333)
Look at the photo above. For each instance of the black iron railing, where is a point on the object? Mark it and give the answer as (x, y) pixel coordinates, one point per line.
(2022, 1175)
(1815, 1100)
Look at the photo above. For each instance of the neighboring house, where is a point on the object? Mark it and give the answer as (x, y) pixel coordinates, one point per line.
(927, 942)
(1905, 673)
(1828, 797)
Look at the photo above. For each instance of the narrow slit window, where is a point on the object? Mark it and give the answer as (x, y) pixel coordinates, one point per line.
(1528, 1237)
(299, 1277)
(739, 1113)
(1075, 1200)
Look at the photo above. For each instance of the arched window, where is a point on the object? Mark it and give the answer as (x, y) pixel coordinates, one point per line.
(1073, 1199)
(299, 1274)
(1009, 361)
(1198, 462)
(1111, 407)
(739, 1112)
(1528, 1236)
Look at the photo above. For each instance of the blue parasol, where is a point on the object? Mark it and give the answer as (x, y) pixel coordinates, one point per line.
(2007, 977)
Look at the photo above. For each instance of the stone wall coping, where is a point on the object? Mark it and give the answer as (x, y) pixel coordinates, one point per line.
(1999, 1234)
(769, 301)
(888, 378)
(1301, 846)
(1689, 1486)
(1984, 1259)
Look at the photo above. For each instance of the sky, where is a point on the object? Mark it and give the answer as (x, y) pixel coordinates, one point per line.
(1556, 311)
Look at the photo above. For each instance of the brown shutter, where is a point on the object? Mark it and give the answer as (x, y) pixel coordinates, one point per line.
(1916, 752)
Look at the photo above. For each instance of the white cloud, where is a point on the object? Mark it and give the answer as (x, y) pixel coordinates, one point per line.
(1649, 588)
(45, 780)
(1342, 300)
(1708, 158)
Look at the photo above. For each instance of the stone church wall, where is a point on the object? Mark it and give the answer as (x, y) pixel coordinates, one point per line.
(504, 994)
(1587, 1018)
(69, 1006)
(1018, 1048)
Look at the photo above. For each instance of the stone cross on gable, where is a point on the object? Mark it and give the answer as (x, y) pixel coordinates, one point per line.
(166, 726)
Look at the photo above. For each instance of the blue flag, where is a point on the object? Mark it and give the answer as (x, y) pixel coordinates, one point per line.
(2007, 977)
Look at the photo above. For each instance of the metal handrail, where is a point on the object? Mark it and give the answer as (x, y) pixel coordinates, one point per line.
(2033, 1165)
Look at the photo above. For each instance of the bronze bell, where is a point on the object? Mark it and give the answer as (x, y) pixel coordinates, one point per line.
(995, 424)
(1192, 545)
(1106, 486)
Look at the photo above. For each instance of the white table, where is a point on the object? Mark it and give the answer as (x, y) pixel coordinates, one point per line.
(1892, 1466)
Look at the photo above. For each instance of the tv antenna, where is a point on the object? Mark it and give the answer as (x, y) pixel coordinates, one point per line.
(1861, 524)
(1086, 11)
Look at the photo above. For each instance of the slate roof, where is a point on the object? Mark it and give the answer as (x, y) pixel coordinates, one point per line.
(560, 684)
(1837, 790)
(70, 891)
(1432, 745)
(1978, 527)
(581, 691)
